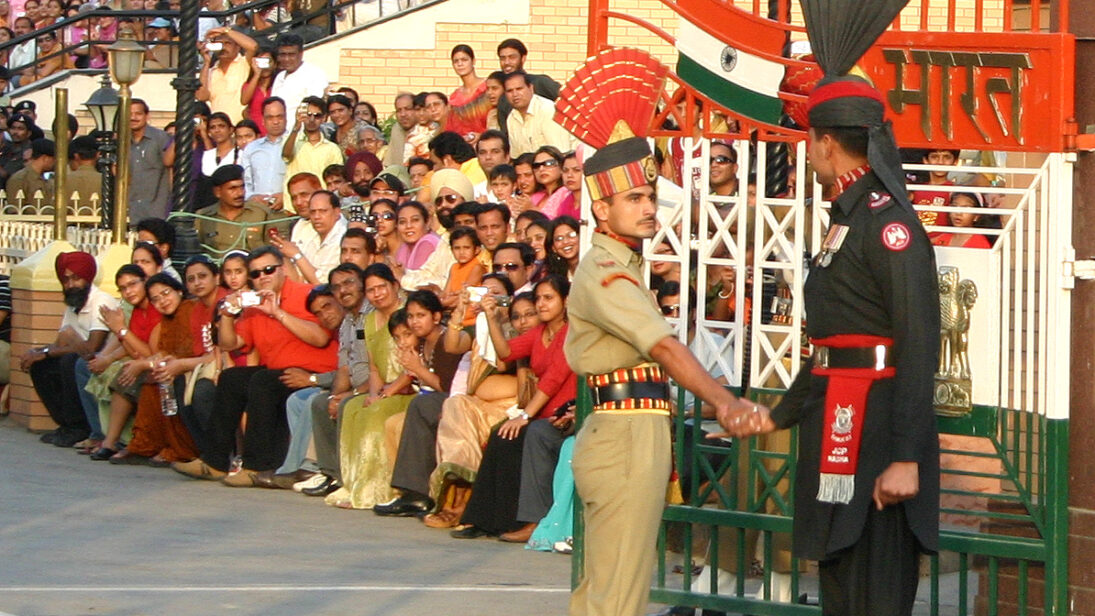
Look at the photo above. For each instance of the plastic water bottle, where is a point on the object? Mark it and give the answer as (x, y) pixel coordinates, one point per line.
(168, 404)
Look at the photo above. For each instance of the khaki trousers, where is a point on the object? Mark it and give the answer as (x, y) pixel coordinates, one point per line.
(621, 470)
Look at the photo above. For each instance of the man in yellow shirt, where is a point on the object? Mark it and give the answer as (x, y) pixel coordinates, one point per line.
(223, 79)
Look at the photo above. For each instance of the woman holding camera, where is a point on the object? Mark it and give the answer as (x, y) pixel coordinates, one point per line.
(492, 509)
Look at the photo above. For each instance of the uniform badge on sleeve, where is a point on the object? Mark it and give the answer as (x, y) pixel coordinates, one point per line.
(878, 200)
(896, 236)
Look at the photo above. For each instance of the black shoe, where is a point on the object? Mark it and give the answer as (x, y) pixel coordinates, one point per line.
(68, 439)
(330, 484)
(410, 504)
(47, 437)
(468, 532)
(102, 453)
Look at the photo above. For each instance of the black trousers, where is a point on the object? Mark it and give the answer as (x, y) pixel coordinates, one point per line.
(54, 379)
(878, 575)
(198, 415)
(417, 455)
(493, 503)
(257, 391)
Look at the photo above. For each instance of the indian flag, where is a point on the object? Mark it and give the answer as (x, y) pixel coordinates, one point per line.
(742, 82)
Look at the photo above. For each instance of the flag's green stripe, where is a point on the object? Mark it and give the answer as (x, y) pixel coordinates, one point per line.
(729, 94)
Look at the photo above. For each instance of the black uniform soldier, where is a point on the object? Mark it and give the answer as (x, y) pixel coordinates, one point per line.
(622, 345)
(867, 485)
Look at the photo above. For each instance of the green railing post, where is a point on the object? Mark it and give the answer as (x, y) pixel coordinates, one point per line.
(1056, 508)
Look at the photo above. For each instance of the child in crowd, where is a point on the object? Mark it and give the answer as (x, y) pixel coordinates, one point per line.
(467, 271)
(964, 220)
(502, 182)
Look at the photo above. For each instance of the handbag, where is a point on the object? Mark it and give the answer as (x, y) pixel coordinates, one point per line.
(208, 370)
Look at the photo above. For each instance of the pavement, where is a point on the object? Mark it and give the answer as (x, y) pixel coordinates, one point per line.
(82, 537)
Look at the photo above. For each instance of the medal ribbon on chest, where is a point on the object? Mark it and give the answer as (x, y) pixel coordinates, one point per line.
(834, 239)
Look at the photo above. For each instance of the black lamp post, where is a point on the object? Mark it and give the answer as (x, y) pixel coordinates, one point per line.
(103, 107)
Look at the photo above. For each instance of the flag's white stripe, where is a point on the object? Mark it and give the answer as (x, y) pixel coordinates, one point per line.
(751, 72)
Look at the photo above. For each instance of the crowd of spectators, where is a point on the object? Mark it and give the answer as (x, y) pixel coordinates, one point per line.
(378, 315)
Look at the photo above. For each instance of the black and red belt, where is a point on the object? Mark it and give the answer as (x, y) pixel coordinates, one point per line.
(852, 362)
(639, 389)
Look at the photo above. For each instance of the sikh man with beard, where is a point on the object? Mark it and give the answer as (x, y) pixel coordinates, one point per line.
(82, 333)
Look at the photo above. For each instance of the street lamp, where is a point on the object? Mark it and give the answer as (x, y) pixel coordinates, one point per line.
(126, 58)
(103, 107)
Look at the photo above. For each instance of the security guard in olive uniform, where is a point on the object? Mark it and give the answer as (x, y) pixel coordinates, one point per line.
(624, 348)
(227, 182)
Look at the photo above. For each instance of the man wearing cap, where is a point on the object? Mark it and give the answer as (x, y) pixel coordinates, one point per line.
(391, 183)
(223, 233)
(30, 180)
(82, 333)
(84, 180)
(624, 348)
(867, 483)
(11, 152)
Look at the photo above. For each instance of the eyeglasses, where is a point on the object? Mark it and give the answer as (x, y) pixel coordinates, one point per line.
(509, 267)
(721, 160)
(551, 162)
(566, 236)
(389, 192)
(670, 309)
(314, 115)
(450, 199)
(162, 295)
(266, 271)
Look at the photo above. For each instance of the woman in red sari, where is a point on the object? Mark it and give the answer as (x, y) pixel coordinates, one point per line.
(468, 104)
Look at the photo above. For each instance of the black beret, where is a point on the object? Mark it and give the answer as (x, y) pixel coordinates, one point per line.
(226, 173)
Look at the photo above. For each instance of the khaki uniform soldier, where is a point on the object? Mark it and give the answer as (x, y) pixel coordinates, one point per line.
(230, 208)
(621, 344)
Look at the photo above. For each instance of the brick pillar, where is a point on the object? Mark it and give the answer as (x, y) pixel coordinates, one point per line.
(37, 307)
(1081, 563)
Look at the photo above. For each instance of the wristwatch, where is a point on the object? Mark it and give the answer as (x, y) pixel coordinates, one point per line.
(122, 333)
(45, 350)
(312, 379)
(293, 259)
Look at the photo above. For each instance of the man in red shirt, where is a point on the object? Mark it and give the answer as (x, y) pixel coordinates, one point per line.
(935, 198)
(275, 322)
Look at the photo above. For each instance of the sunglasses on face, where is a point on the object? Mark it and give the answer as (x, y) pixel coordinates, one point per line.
(450, 199)
(670, 309)
(566, 236)
(388, 192)
(314, 115)
(721, 160)
(509, 267)
(385, 215)
(549, 163)
(266, 271)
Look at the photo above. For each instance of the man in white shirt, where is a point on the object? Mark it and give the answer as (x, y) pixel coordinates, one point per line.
(321, 252)
(263, 167)
(297, 78)
(531, 124)
(52, 368)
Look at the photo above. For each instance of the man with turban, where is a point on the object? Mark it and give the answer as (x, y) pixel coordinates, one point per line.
(82, 333)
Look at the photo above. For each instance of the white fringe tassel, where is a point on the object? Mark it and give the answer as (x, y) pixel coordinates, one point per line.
(834, 488)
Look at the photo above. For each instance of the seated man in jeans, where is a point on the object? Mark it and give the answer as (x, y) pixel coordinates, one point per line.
(53, 367)
(286, 335)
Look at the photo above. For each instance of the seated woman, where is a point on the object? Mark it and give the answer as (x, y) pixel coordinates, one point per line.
(49, 60)
(387, 239)
(419, 242)
(365, 462)
(492, 508)
(561, 247)
(536, 234)
(148, 258)
(159, 436)
(553, 198)
(466, 419)
(201, 275)
(115, 380)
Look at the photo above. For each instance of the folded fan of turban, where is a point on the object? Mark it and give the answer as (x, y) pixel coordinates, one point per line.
(841, 31)
(612, 96)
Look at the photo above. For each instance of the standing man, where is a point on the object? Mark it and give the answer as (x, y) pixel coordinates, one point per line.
(296, 78)
(512, 54)
(867, 483)
(624, 348)
(263, 166)
(150, 162)
(309, 152)
(31, 179)
(223, 79)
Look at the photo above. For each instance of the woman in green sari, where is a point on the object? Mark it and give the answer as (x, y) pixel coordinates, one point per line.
(365, 465)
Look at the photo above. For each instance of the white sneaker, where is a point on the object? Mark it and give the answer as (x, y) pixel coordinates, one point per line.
(310, 482)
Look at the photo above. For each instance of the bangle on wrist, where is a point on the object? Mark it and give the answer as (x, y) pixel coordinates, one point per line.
(727, 296)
